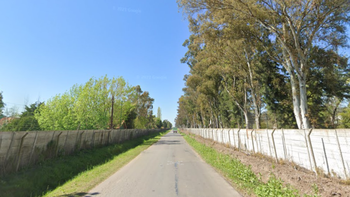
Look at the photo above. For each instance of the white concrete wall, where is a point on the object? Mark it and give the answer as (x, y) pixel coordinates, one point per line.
(35, 144)
(292, 145)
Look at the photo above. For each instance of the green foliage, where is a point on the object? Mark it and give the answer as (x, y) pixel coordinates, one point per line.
(345, 117)
(263, 59)
(159, 113)
(144, 109)
(166, 124)
(159, 123)
(89, 106)
(2, 105)
(241, 175)
(26, 121)
(274, 187)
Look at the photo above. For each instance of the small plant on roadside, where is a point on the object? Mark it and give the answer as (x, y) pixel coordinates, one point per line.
(281, 161)
(316, 191)
(345, 182)
(274, 187)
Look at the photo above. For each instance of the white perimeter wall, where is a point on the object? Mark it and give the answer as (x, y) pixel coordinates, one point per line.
(292, 145)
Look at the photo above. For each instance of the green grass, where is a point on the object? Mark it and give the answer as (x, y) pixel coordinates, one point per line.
(74, 175)
(240, 175)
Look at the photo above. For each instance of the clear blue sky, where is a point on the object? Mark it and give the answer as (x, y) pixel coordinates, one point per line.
(47, 46)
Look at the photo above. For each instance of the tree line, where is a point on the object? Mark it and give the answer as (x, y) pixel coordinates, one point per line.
(101, 103)
(259, 62)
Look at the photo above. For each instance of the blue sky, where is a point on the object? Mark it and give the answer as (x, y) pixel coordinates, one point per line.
(47, 46)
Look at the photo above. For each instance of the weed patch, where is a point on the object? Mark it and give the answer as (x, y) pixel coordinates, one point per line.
(240, 175)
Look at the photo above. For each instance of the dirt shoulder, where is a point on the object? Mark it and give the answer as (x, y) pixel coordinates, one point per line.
(299, 178)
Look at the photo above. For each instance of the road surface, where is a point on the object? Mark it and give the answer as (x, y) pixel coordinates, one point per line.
(168, 168)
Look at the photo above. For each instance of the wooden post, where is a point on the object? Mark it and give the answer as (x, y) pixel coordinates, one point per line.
(19, 151)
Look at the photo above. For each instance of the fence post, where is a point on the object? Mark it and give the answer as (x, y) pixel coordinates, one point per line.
(101, 140)
(234, 138)
(274, 145)
(239, 139)
(8, 150)
(19, 151)
(341, 154)
(222, 136)
(65, 141)
(308, 152)
(92, 144)
(284, 145)
(58, 140)
(229, 138)
(312, 151)
(81, 136)
(109, 135)
(53, 135)
(325, 155)
(268, 140)
(251, 135)
(33, 147)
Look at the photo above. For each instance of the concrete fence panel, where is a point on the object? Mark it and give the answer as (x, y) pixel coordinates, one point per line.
(20, 149)
(319, 150)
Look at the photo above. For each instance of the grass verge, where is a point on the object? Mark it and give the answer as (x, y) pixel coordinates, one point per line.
(74, 175)
(240, 175)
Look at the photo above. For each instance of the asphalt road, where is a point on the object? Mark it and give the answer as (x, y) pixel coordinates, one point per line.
(168, 168)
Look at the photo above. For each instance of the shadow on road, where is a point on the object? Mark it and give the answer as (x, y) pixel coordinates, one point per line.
(167, 142)
(77, 194)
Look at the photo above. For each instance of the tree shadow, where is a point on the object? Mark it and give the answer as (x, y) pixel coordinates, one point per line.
(78, 194)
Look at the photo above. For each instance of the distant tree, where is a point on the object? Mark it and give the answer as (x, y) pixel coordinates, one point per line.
(88, 106)
(159, 113)
(166, 124)
(2, 105)
(345, 118)
(26, 121)
(158, 123)
(144, 109)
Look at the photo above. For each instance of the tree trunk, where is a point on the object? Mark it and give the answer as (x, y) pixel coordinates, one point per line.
(254, 95)
(303, 103)
(257, 120)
